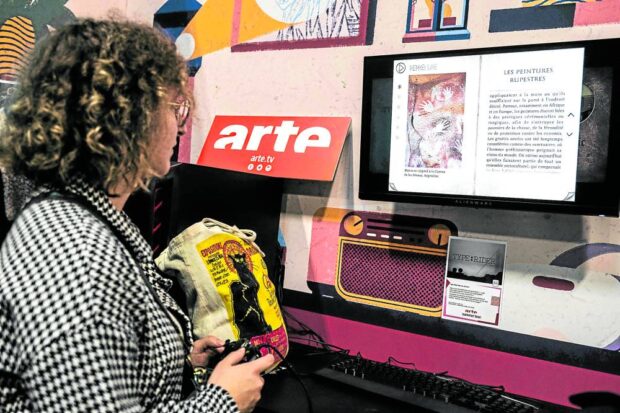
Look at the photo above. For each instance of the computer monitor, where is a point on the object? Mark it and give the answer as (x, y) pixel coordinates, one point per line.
(525, 128)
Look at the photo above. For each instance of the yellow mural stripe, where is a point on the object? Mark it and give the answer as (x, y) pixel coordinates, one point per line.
(21, 24)
(12, 38)
(11, 54)
(24, 21)
(16, 42)
(12, 68)
(14, 47)
(327, 214)
(26, 35)
(8, 66)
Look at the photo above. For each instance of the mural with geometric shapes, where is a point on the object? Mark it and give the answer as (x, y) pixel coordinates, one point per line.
(316, 23)
(286, 24)
(22, 24)
(541, 14)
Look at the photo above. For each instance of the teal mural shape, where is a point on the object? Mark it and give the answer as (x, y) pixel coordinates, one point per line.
(22, 24)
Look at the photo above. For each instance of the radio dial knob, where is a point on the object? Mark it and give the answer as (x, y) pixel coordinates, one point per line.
(353, 225)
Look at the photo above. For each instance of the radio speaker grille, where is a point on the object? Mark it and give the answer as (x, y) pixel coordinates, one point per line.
(376, 273)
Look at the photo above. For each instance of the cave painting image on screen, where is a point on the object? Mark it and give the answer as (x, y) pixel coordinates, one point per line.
(435, 127)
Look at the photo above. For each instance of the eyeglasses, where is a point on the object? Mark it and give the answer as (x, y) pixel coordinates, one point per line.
(181, 111)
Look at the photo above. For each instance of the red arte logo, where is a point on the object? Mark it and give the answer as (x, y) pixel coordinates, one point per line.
(234, 137)
(285, 147)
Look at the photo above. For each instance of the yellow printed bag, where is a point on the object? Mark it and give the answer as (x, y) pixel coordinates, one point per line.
(225, 281)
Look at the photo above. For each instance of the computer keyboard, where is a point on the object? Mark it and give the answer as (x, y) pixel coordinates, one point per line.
(433, 392)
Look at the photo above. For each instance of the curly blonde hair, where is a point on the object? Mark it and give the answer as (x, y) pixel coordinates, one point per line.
(87, 102)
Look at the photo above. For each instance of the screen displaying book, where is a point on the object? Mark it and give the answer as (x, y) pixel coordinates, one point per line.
(518, 127)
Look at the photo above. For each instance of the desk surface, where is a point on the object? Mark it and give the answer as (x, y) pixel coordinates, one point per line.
(284, 393)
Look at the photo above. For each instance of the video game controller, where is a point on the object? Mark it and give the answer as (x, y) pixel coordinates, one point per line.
(252, 352)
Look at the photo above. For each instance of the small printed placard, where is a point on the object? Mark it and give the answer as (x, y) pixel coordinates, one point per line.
(474, 280)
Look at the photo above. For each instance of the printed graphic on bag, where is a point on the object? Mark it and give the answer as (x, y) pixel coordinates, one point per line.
(226, 287)
(240, 277)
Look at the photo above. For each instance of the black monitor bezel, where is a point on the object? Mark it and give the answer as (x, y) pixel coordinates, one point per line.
(591, 198)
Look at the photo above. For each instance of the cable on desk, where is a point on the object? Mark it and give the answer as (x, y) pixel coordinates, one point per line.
(289, 366)
(391, 359)
(499, 388)
(325, 346)
(305, 330)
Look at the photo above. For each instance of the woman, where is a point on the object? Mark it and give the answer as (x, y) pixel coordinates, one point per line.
(86, 323)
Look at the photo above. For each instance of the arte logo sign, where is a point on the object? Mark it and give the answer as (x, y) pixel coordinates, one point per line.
(285, 147)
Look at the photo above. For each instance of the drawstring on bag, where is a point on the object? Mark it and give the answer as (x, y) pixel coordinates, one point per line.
(245, 234)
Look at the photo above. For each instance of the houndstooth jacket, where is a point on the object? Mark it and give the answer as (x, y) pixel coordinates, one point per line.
(85, 320)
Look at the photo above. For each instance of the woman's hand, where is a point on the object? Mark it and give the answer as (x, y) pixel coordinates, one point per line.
(204, 348)
(243, 381)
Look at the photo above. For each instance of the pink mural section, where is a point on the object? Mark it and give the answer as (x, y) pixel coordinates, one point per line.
(604, 12)
(548, 381)
(324, 245)
(554, 16)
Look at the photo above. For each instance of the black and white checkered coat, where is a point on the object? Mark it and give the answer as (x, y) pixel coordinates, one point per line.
(82, 321)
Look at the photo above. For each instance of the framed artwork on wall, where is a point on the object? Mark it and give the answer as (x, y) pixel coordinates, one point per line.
(430, 20)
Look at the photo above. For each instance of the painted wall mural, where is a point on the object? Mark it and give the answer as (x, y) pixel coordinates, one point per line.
(387, 261)
(274, 24)
(537, 15)
(316, 23)
(172, 18)
(22, 24)
(536, 3)
(363, 262)
(430, 20)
